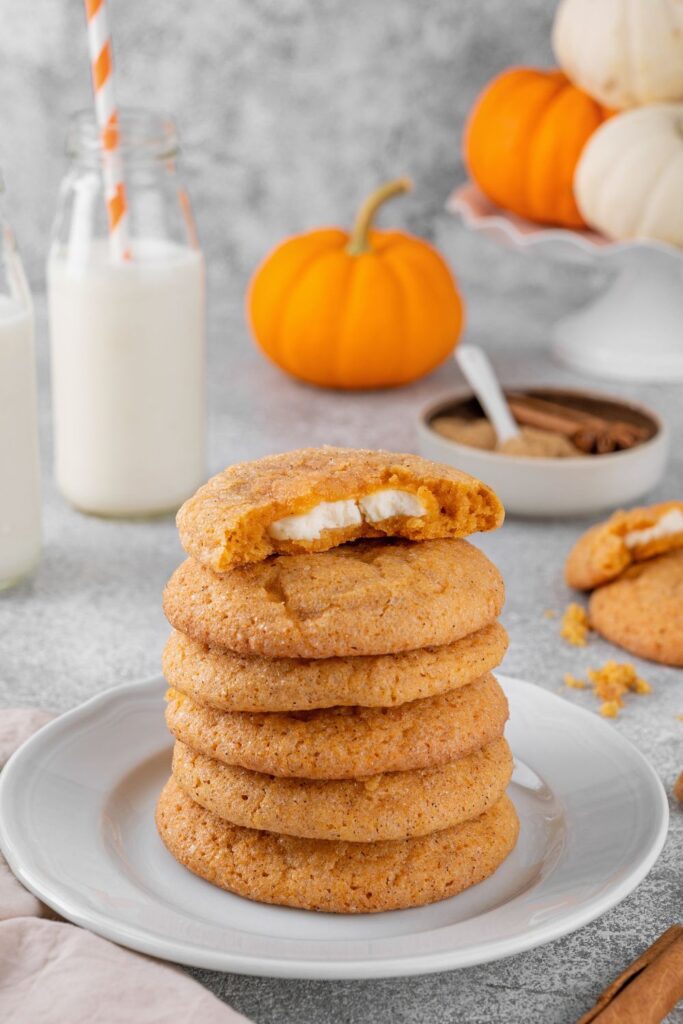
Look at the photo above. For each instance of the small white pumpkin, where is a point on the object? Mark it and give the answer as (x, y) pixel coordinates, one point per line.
(623, 52)
(628, 182)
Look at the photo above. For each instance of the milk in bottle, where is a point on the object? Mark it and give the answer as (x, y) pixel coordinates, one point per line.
(127, 336)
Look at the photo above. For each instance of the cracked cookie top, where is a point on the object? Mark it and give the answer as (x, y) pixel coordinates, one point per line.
(345, 743)
(392, 805)
(329, 875)
(317, 498)
(366, 597)
(642, 610)
(241, 682)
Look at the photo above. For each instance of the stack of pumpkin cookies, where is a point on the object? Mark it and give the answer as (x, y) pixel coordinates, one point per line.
(339, 736)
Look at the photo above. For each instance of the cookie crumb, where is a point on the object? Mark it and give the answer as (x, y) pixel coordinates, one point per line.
(610, 684)
(550, 613)
(613, 681)
(679, 718)
(371, 782)
(575, 626)
(678, 788)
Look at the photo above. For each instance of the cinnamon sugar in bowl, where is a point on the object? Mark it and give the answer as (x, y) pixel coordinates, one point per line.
(562, 485)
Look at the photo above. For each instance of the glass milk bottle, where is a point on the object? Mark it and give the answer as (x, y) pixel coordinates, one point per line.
(127, 336)
(20, 520)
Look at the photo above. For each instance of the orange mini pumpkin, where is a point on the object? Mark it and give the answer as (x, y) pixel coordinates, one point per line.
(523, 141)
(370, 309)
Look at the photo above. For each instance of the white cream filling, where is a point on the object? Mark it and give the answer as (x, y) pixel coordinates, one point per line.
(667, 526)
(328, 515)
(334, 515)
(387, 503)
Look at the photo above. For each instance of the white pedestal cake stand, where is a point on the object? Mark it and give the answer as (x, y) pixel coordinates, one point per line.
(634, 329)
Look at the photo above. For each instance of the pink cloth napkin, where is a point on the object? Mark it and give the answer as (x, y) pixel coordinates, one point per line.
(52, 972)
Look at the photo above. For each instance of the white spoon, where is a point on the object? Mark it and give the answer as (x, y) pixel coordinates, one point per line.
(478, 372)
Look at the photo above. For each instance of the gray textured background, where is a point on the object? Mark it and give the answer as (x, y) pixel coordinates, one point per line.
(290, 112)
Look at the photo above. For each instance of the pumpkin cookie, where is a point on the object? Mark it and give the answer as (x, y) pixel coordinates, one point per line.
(345, 743)
(642, 611)
(236, 682)
(317, 498)
(338, 877)
(369, 597)
(391, 806)
(604, 551)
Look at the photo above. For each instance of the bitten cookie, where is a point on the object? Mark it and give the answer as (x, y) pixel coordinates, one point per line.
(345, 743)
(369, 597)
(338, 877)
(608, 548)
(236, 682)
(391, 806)
(642, 611)
(317, 498)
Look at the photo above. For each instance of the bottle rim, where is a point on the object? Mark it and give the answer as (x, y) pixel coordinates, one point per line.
(142, 135)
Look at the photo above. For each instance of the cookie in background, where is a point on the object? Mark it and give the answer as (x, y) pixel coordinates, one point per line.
(633, 564)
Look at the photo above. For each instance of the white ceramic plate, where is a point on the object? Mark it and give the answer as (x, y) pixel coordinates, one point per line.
(76, 825)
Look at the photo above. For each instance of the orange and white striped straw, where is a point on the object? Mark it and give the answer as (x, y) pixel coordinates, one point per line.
(102, 66)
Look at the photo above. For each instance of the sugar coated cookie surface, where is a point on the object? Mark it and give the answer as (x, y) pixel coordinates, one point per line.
(316, 498)
(339, 877)
(368, 597)
(607, 549)
(343, 743)
(642, 611)
(395, 805)
(237, 682)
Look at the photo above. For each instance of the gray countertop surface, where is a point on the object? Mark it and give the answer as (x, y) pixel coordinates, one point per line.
(90, 617)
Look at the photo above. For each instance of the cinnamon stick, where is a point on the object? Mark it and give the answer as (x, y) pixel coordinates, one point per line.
(585, 441)
(606, 444)
(588, 432)
(532, 417)
(647, 990)
(587, 419)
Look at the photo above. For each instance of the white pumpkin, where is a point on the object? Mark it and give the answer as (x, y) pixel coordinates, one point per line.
(623, 52)
(628, 182)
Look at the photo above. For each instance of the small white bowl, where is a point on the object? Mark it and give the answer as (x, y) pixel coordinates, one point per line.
(555, 487)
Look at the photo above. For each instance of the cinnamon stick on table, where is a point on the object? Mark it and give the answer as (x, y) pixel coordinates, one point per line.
(647, 990)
